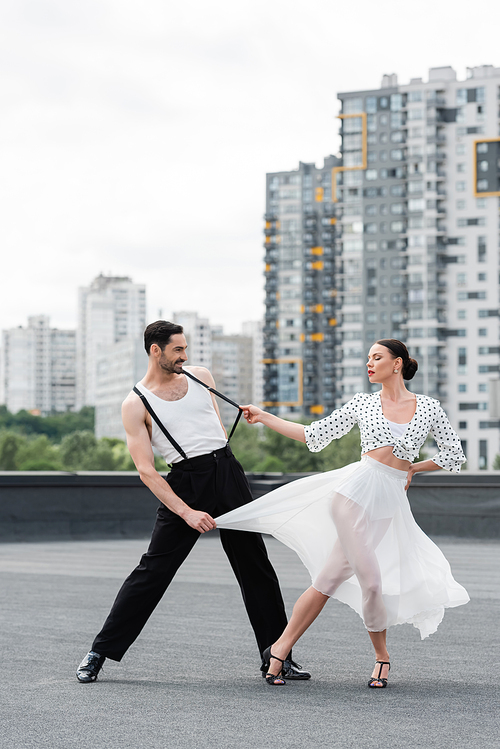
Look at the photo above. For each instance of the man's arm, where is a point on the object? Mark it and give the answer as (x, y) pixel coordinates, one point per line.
(139, 445)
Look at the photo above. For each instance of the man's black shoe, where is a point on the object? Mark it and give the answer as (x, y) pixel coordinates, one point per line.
(290, 671)
(90, 667)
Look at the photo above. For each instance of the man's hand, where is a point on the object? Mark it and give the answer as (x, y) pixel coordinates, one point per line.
(252, 414)
(200, 521)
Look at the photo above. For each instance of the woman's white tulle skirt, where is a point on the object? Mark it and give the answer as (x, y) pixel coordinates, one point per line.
(354, 531)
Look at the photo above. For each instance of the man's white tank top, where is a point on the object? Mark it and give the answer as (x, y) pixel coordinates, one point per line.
(192, 422)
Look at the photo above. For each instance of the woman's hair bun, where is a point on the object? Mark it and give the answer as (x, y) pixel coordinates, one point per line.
(410, 367)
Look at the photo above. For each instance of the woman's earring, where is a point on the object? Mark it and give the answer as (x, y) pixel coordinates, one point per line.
(396, 371)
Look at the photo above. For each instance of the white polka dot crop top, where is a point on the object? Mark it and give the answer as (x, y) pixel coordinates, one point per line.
(365, 409)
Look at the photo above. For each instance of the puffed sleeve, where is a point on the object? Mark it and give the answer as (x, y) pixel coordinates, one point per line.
(319, 434)
(450, 455)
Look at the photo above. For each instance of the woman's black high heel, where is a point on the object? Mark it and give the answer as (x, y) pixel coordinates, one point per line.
(271, 679)
(381, 682)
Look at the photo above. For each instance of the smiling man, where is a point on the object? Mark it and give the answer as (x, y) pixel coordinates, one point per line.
(180, 418)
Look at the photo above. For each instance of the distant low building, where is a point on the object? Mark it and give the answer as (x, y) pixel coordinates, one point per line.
(111, 310)
(232, 358)
(39, 367)
(118, 368)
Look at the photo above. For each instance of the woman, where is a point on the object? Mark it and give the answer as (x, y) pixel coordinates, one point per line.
(353, 527)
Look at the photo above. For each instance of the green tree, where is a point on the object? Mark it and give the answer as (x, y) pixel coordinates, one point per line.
(54, 426)
(38, 454)
(76, 451)
(10, 444)
(496, 463)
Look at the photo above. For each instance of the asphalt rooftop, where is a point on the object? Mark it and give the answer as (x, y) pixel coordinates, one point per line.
(192, 678)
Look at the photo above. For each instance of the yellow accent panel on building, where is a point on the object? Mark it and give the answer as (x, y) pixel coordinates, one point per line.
(268, 267)
(333, 221)
(318, 265)
(302, 337)
(316, 308)
(268, 224)
(277, 323)
(267, 239)
(302, 309)
(318, 194)
(318, 337)
(316, 250)
(317, 409)
(332, 321)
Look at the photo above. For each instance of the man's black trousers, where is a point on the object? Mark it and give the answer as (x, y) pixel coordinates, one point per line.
(213, 483)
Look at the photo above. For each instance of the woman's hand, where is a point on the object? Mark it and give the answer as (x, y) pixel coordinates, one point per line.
(411, 472)
(252, 414)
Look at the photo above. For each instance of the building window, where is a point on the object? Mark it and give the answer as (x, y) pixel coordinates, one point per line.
(462, 425)
(352, 106)
(483, 455)
(482, 332)
(462, 387)
(481, 249)
(371, 174)
(461, 167)
(460, 186)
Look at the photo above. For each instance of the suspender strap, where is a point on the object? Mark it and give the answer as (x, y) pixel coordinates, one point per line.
(165, 431)
(220, 395)
(162, 427)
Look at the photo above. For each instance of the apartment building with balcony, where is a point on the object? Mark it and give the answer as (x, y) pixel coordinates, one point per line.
(299, 337)
(418, 222)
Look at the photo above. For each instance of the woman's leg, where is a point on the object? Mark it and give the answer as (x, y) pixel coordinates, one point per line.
(305, 611)
(379, 643)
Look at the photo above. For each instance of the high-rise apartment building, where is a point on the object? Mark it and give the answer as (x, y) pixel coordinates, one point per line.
(111, 310)
(418, 206)
(301, 318)
(415, 253)
(39, 367)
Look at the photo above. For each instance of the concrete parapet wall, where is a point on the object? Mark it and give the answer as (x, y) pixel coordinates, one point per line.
(53, 505)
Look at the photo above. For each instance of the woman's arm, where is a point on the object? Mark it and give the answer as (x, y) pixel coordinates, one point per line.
(423, 465)
(255, 415)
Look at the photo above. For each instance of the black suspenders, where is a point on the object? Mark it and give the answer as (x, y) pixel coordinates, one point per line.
(165, 430)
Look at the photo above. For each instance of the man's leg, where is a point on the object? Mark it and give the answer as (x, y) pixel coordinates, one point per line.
(171, 542)
(248, 557)
(259, 584)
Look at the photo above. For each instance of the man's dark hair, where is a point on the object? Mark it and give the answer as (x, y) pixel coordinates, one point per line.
(160, 332)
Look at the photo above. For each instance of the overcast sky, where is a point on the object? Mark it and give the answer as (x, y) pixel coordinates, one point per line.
(135, 134)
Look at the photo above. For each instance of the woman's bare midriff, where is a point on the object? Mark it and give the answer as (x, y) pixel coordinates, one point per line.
(384, 455)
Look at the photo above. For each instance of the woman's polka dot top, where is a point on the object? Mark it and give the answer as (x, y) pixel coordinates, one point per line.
(365, 409)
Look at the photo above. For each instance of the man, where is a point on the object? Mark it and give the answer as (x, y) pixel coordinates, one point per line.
(206, 483)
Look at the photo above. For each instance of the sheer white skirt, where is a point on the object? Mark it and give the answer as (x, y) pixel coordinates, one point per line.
(354, 531)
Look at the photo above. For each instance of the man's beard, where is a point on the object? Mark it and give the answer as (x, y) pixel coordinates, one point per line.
(171, 367)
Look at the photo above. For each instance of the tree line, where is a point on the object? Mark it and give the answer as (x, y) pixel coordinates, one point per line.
(66, 442)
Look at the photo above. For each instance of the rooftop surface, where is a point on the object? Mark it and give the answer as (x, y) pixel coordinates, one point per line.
(192, 678)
